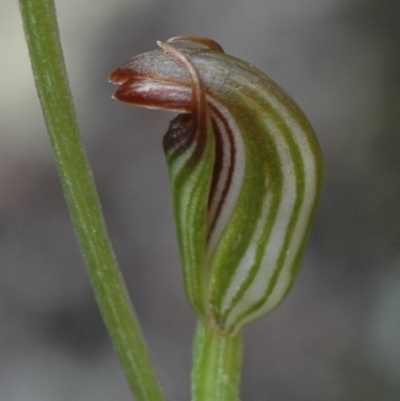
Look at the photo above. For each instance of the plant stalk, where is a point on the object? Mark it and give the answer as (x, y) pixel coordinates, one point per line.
(217, 365)
(41, 30)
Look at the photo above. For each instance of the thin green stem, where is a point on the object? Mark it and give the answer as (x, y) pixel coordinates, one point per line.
(217, 365)
(41, 30)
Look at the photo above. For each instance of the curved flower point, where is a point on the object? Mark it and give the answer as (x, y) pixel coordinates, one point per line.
(245, 170)
(209, 43)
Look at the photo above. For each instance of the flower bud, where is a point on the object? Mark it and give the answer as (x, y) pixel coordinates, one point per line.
(245, 170)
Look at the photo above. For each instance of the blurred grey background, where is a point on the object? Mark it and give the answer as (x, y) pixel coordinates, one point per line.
(337, 335)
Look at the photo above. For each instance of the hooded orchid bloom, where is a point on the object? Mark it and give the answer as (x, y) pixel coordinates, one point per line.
(245, 170)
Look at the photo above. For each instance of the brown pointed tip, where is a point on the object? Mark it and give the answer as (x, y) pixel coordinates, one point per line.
(112, 78)
(209, 43)
(118, 76)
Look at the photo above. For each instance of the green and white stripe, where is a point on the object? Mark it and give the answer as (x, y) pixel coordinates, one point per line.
(244, 203)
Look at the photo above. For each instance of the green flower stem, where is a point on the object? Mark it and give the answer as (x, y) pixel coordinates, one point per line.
(217, 365)
(41, 30)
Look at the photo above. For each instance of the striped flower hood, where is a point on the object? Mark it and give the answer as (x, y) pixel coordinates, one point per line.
(245, 170)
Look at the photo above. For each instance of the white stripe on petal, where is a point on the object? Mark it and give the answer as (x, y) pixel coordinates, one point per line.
(279, 230)
(237, 175)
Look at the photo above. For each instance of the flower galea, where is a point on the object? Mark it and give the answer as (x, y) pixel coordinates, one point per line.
(245, 170)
